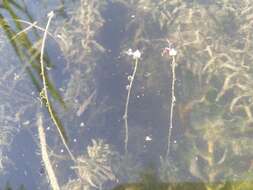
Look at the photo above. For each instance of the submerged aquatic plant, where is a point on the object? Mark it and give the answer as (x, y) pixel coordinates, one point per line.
(44, 93)
(77, 39)
(214, 103)
(7, 134)
(94, 168)
(215, 78)
(136, 55)
(45, 157)
(168, 170)
(172, 53)
(16, 88)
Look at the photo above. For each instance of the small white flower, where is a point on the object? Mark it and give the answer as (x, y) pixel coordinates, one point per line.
(129, 52)
(136, 54)
(50, 14)
(16, 76)
(172, 52)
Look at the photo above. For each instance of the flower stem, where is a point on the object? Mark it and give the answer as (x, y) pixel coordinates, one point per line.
(125, 116)
(44, 92)
(45, 158)
(173, 101)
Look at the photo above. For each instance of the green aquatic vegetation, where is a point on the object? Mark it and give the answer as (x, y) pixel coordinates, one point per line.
(214, 74)
(126, 167)
(24, 47)
(81, 163)
(169, 170)
(212, 85)
(27, 51)
(79, 45)
(39, 63)
(14, 84)
(150, 181)
(214, 140)
(78, 35)
(7, 134)
(94, 167)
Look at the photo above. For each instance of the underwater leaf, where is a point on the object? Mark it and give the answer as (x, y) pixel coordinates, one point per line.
(34, 59)
(85, 104)
(59, 124)
(73, 185)
(94, 167)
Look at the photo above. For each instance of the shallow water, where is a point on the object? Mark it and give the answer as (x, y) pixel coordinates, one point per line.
(110, 81)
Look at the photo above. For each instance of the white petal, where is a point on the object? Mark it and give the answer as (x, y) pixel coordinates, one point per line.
(173, 52)
(137, 54)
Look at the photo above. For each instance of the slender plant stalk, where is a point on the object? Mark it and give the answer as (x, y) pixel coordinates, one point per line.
(32, 25)
(173, 101)
(24, 43)
(45, 158)
(129, 88)
(24, 30)
(44, 92)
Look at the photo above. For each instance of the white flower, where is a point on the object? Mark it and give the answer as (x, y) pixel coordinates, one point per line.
(50, 14)
(172, 52)
(169, 51)
(136, 54)
(129, 52)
